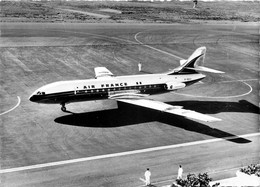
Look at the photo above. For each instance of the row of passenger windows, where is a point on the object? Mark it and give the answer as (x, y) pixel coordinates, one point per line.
(118, 89)
(110, 85)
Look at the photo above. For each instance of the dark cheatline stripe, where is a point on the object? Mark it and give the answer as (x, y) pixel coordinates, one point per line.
(93, 94)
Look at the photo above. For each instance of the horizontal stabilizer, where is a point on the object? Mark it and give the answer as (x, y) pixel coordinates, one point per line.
(200, 68)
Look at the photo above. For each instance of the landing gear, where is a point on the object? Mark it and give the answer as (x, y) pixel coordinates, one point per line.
(63, 108)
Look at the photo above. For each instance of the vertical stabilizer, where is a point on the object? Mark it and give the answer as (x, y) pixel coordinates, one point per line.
(197, 58)
(194, 63)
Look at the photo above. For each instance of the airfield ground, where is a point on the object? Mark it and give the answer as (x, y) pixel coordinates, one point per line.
(34, 54)
(128, 12)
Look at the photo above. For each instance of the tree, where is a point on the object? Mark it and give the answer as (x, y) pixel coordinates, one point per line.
(202, 180)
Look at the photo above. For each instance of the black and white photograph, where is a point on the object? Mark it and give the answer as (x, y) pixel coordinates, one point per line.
(129, 93)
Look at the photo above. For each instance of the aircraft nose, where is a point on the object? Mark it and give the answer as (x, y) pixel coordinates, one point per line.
(32, 98)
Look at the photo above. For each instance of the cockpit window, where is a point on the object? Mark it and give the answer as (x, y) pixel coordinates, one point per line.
(40, 93)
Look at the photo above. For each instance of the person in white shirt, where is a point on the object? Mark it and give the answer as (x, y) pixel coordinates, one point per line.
(140, 66)
(195, 3)
(147, 176)
(180, 171)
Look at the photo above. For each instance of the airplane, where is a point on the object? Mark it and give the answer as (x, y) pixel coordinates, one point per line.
(131, 89)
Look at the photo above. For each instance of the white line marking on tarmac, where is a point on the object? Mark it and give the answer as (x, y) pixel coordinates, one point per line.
(19, 101)
(37, 166)
(251, 89)
(155, 48)
(189, 95)
(244, 80)
(220, 97)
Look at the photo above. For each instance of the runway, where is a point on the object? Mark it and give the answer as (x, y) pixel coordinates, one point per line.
(104, 143)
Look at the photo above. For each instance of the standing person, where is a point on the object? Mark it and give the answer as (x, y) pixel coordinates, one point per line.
(180, 171)
(140, 66)
(147, 176)
(195, 3)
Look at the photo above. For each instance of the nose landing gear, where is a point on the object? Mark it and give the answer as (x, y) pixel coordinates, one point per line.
(63, 108)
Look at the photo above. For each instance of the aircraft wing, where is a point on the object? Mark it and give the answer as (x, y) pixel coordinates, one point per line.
(102, 72)
(163, 107)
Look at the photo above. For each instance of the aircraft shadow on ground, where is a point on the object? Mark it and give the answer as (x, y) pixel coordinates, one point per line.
(129, 115)
(214, 107)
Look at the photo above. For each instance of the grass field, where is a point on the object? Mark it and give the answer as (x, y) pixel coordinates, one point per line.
(166, 12)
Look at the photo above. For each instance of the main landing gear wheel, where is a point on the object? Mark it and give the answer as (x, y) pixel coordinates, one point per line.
(63, 108)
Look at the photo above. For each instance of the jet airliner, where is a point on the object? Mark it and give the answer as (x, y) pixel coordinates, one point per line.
(132, 89)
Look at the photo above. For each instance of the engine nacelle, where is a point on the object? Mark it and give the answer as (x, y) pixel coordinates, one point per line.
(174, 85)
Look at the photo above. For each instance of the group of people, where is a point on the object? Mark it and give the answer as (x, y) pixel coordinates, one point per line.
(148, 174)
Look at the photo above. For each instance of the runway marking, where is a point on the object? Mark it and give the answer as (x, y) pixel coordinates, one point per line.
(244, 80)
(50, 164)
(121, 39)
(188, 95)
(155, 48)
(18, 103)
(222, 97)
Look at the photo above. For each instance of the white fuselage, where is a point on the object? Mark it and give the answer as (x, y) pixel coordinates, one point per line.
(103, 87)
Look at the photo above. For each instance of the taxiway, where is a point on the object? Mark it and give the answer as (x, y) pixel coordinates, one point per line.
(105, 144)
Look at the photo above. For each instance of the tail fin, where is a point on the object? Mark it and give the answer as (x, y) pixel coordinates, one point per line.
(194, 63)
